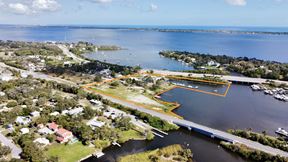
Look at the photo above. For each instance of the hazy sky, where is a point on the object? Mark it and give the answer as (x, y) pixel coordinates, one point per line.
(146, 12)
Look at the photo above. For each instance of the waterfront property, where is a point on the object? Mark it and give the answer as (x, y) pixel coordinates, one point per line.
(71, 152)
(213, 133)
(171, 153)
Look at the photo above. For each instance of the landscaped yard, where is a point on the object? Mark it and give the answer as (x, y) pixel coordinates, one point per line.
(130, 135)
(70, 153)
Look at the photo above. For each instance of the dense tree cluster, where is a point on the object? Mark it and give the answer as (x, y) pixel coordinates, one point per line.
(250, 67)
(93, 67)
(31, 152)
(31, 48)
(252, 154)
(262, 138)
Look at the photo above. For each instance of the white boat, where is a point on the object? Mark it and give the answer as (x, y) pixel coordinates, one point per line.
(189, 86)
(269, 92)
(255, 87)
(282, 131)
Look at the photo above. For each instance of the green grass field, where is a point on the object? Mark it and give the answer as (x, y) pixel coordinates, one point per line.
(172, 151)
(130, 135)
(70, 153)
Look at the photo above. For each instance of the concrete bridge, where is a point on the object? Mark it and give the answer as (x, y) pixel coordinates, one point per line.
(214, 133)
(210, 132)
(234, 79)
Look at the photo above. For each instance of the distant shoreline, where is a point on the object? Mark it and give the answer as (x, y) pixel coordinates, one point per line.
(179, 29)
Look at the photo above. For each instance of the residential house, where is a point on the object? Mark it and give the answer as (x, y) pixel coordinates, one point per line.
(96, 102)
(213, 63)
(76, 111)
(63, 135)
(55, 113)
(109, 114)
(24, 130)
(22, 120)
(35, 114)
(45, 131)
(95, 123)
(53, 126)
(5, 77)
(2, 94)
(64, 112)
(42, 141)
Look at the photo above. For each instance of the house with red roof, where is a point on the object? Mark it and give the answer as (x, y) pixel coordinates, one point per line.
(53, 126)
(63, 135)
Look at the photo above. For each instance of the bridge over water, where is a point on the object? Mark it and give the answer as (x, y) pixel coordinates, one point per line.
(213, 133)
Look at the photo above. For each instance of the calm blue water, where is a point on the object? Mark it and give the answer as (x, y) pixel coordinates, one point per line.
(143, 45)
(241, 108)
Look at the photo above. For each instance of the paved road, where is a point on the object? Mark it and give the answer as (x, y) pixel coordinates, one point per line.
(39, 75)
(249, 143)
(224, 77)
(15, 150)
(215, 132)
(70, 54)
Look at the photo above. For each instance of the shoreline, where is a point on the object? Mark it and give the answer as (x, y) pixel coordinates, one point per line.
(182, 29)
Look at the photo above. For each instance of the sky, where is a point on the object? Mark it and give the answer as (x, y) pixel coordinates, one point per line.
(145, 12)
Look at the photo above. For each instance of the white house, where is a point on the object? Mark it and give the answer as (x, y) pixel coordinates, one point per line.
(24, 130)
(64, 112)
(24, 75)
(105, 72)
(5, 77)
(110, 114)
(35, 114)
(22, 120)
(96, 102)
(42, 141)
(2, 94)
(213, 63)
(76, 111)
(95, 123)
(55, 113)
(45, 131)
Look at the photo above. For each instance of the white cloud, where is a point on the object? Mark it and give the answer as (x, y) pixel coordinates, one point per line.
(101, 1)
(29, 7)
(45, 5)
(19, 8)
(1, 3)
(237, 2)
(153, 7)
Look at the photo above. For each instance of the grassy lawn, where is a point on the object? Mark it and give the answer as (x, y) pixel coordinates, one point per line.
(135, 95)
(130, 135)
(172, 152)
(143, 157)
(70, 153)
